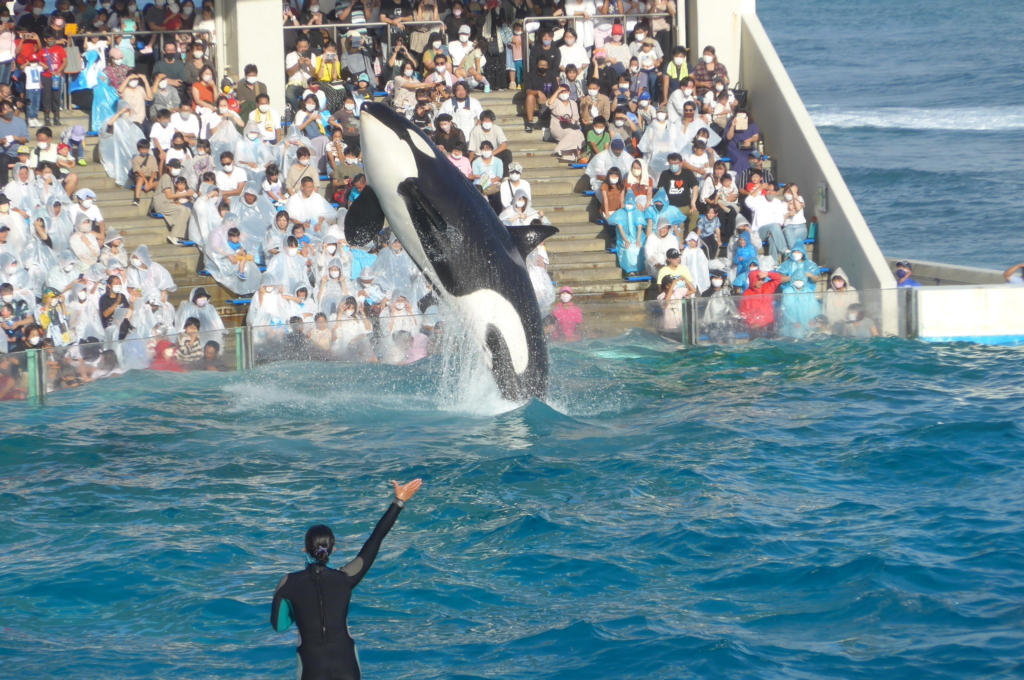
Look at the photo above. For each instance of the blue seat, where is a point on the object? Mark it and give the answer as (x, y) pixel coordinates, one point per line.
(262, 267)
(204, 272)
(601, 221)
(808, 241)
(725, 159)
(577, 166)
(588, 193)
(187, 243)
(90, 133)
(240, 301)
(613, 250)
(638, 278)
(825, 270)
(156, 216)
(335, 205)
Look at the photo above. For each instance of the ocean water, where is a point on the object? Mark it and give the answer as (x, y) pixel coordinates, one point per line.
(833, 509)
(921, 104)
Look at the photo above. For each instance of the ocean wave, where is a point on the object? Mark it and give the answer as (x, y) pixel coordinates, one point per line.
(990, 118)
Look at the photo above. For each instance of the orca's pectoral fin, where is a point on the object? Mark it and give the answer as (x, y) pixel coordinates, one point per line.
(530, 236)
(365, 218)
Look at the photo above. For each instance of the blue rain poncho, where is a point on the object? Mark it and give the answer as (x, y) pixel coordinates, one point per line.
(745, 255)
(799, 307)
(673, 214)
(795, 269)
(631, 224)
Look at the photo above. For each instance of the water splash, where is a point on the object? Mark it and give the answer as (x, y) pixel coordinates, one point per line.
(989, 118)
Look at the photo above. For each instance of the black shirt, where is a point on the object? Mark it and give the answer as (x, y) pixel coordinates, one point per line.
(546, 83)
(396, 10)
(549, 54)
(678, 187)
(106, 302)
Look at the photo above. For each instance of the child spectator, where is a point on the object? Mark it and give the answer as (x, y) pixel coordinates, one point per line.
(74, 138)
(569, 317)
(272, 185)
(238, 255)
(33, 74)
(190, 347)
(459, 160)
(145, 171)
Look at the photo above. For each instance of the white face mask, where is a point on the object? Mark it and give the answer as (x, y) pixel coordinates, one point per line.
(486, 153)
(197, 54)
(251, 80)
(350, 106)
(678, 61)
(708, 58)
(487, 125)
(593, 93)
(201, 302)
(456, 155)
(637, 172)
(82, 295)
(788, 197)
(187, 11)
(634, 69)
(463, 38)
(293, 251)
(437, 44)
(514, 176)
(716, 282)
(116, 288)
(311, 107)
(69, 267)
(331, 250)
(8, 298)
(640, 36)
(662, 116)
(719, 87)
(228, 167)
(798, 256)
(314, 9)
(564, 96)
(613, 180)
(408, 74)
(136, 262)
(851, 316)
(264, 108)
(87, 203)
(620, 123)
(118, 62)
(446, 127)
(34, 341)
(565, 297)
(303, 161)
(440, 68)
(335, 274)
(44, 145)
(208, 78)
(521, 203)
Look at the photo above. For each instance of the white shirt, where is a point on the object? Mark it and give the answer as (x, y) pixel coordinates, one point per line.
(766, 212)
(270, 123)
(799, 217)
(508, 191)
(302, 76)
(185, 127)
(464, 118)
(226, 182)
(93, 213)
(458, 50)
(163, 135)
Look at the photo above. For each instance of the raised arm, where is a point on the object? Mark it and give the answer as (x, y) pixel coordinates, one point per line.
(357, 568)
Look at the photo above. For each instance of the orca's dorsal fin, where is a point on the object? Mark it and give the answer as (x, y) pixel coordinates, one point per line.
(364, 219)
(530, 236)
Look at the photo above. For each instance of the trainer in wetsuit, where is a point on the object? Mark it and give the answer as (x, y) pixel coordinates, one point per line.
(317, 598)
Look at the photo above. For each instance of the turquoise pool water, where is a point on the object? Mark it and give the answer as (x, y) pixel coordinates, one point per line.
(816, 510)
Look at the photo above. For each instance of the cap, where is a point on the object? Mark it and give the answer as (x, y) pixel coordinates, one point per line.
(465, 30)
(904, 263)
(566, 289)
(515, 167)
(24, 149)
(717, 273)
(83, 194)
(618, 144)
(617, 29)
(645, 95)
(4, 228)
(364, 78)
(174, 163)
(672, 254)
(77, 133)
(598, 53)
(754, 153)
(650, 41)
(63, 148)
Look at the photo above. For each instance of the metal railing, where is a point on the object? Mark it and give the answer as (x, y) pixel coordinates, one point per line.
(594, 18)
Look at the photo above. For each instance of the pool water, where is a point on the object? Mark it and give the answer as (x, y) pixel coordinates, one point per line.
(832, 509)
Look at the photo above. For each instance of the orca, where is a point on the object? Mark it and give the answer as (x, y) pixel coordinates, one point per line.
(473, 261)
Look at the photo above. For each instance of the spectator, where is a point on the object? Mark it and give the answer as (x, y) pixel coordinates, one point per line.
(161, 135)
(231, 179)
(145, 172)
(300, 170)
(540, 84)
(598, 138)
(521, 213)
(344, 173)
(166, 358)
(768, 215)
(7, 46)
(33, 83)
(487, 170)
(267, 120)
(573, 52)
(659, 242)
(464, 110)
(742, 135)
(569, 317)
(544, 50)
(640, 183)
(460, 161)
(442, 75)
(565, 125)
(695, 259)
(513, 184)
(190, 347)
(839, 298)
(447, 136)
(248, 89)
(799, 307)
(709, 229)
(674, 267)
(794, 225)
(167, 202)
(186, 123)
(54, 60)
(1014, 275)
(904, 275)
(707, 69)
(613, 193)
(300, 66)
(857, 324)
(745, 258)
(630, 226)
(675, 73)
(165, 97)
(757, 306)
(613, 156)
(347, 120)
(172, 68)
(86, 207)
(514, 57)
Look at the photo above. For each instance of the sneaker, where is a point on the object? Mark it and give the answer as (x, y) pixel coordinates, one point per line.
(174, 241)
(242, 276)
(528, 127)
(82, 161)
(135, 202)
(487, 89)
(33, 122)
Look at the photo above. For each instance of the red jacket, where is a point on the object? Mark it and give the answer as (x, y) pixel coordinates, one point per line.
(758, 306)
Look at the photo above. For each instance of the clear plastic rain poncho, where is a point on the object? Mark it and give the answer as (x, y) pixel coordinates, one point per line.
(396, 273)
(537, 267)
(43, 192)
(690, 132)
(18, 236)
(199, 306)
(333, 289)
(13, 272)
(696, 260)
(84, 313)
(148, 276)
(85, 243)
(307, 307)
(58, 238)
(38, 259)
(204, 214)
(289, 270)
(19, 189)
(59, 221)
(268, 307)
(226, 138)
(271, 245)
(114, 252)
(256, 214)
(64, 272)
(720, 306)
(657, 246)
(398, 317)
(117, 148)
(604, 161)
(218, 252)
(255, 152)
(659, 140)
(310, 210)
(288, 149)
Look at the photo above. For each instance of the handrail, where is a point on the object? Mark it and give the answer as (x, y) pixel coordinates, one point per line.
(364, 25)
(593, 17)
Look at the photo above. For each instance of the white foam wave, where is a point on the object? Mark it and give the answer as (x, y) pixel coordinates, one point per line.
(984, 118)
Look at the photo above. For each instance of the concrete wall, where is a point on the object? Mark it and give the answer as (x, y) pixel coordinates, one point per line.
(939, 274)
(800, 155)
(717, 23)
(253, 35)
(989, 314)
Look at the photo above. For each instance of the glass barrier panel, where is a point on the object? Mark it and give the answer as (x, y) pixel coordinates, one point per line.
(15, 378)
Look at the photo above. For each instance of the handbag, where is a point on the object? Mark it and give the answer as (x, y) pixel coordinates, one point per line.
(74, 60)
(741, 96)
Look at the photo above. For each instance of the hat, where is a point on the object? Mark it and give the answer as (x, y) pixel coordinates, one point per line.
(717, 273)
(366, 274)
(4, 228)
(33, 58)
(905, 264)
(24, 149)
(77, 133)
(754, 153)
(672, 254)
(63, 148)
(618, 144)
(4, 200)
(598, 53)
(83, 194)
(465, 30)
(617, 29)
(174, 163)
(364, 78)
(515, 167)
(645, 95)
(566, 289)
(650, 41)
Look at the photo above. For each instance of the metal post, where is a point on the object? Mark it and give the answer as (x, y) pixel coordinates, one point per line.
(36, 360)
(242, 354)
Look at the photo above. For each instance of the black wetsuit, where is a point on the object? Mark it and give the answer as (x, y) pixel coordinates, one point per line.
(317, 599)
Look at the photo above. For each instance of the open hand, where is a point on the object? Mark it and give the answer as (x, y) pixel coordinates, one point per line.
(407, 491)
